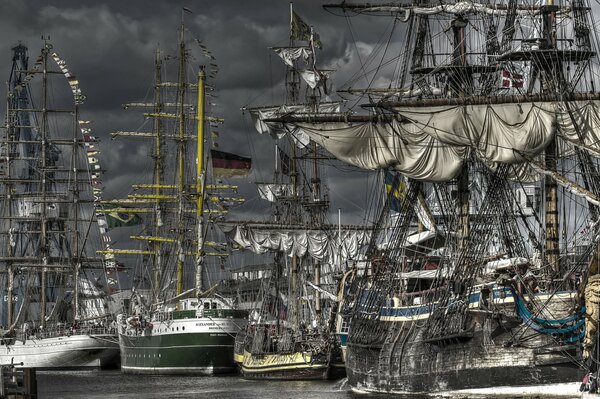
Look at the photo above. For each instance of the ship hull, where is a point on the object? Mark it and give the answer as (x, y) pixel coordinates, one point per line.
(479, 370)
(64, 352)
(198, 346)
(301, 365)
(282, 366)
(497, 350)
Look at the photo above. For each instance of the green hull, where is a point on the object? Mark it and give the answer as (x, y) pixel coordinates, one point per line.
(190, 353)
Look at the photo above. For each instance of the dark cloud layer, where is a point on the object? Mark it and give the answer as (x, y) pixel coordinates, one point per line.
(110, 47)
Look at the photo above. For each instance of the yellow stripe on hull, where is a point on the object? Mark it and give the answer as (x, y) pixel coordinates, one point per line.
(238, 358)
(278, 362)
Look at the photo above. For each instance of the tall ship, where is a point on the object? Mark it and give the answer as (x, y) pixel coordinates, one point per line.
(292, 334)
(487, 109)
(54, 312)
(174, 324)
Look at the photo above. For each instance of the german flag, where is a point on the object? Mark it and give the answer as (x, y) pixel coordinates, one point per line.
(226, 164)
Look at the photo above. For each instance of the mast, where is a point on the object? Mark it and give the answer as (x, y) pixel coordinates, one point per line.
(459, 81)
(292, 98)
(76, 260)
(292, 77)
(158, 172)
(317, 221)
(549, 84)
(43, 249)
(181, 160)
(10, 121)
(200, 181)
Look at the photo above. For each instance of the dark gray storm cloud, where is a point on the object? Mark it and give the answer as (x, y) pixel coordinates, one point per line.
(110, 46)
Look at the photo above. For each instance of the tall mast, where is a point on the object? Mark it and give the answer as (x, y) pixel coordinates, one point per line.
(549, 76)
(181, 160)
(317, 221)
(8, 186)
(459, 79)
(76, 260)
(200, 181)
(158, 171)
(292, 98)
(43, 249)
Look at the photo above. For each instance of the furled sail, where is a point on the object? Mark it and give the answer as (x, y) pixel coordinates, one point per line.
(374, 145)
(261, 116)
(579, 121)
(432, 143)
(320, 244)
(291, 54)
(272, 191)
(458, 8)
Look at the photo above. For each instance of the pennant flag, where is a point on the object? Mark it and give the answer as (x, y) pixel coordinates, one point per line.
(226, 164)
(511, 79)
(398, 194)
(120, 219)
(302, 31)
(285, 161)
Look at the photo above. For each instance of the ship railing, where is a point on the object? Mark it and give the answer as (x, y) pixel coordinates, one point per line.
(68, 331)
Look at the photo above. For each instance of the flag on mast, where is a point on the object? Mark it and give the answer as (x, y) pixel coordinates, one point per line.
(226, 164)
(116, 218)
(302, 31)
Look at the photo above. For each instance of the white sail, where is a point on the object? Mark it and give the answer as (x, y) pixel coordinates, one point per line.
(459, 8)
(380, 145)
(272, 191)
(314, 78)
(320, 244)
(291, 54)
(261, 116)
(432, 143)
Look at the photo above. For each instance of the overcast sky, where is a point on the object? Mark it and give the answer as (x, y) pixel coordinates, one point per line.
(109, 46)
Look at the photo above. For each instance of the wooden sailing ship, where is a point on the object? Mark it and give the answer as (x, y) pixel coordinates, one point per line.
(54, 313)
(503, 95)
(293, 332)
(181, 329)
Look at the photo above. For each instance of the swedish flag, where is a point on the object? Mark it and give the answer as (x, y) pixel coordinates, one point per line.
(399, 193)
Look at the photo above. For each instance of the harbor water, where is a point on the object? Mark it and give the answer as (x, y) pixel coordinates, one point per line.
(114, 384)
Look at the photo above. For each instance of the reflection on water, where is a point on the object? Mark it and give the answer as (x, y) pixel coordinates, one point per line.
(113, 384)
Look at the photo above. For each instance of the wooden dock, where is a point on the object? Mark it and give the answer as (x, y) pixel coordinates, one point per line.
(17, 383)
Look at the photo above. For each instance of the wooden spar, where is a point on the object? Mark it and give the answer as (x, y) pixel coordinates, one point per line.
(200, 180)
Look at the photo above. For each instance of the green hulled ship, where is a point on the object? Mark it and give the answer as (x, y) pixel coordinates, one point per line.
(176, 327)
(197, 340)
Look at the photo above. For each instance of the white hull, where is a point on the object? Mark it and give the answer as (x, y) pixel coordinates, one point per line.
(63, 352)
